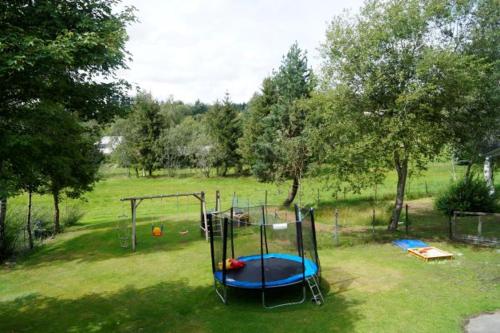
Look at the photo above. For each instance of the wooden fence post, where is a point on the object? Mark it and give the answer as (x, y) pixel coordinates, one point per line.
(479, 226)
(373, 220)
(336, 236)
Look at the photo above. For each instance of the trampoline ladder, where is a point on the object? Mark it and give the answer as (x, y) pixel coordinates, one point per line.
(317, 296)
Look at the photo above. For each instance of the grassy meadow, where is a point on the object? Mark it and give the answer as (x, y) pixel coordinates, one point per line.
(84, 281)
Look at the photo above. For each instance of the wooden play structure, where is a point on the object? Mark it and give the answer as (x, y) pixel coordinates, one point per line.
(422, 250)
(136, 201)
(429, 253)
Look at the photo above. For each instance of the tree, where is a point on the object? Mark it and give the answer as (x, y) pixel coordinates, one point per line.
(224, 126)
(71, 168)
(65, 52)
(123, 155)
(144, 126)
(200, 147)
(274, 143)
(199, 108)
(472, 28)
(174, 143)
(402, 88)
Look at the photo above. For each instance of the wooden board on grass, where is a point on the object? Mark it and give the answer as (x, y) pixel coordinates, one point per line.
(430, 253)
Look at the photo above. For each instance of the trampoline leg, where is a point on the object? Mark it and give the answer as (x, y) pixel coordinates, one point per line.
(222, 295)
(302, 300)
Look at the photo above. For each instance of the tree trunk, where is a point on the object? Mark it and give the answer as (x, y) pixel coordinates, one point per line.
(467, 171)
(3, 215)
(206, 172)
(136, 172)
(488, 174)
(28, 221)
(57, 225)
(293, 192)
(402, 171)
(150, 172)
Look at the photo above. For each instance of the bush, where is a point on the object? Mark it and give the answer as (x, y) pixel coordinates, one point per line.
(14, 227)
(469, 194)
(71, 216)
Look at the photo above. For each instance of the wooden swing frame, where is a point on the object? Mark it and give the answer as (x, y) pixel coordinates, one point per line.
(136, 201)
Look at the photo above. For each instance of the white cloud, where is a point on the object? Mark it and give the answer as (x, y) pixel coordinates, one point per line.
(199, 49)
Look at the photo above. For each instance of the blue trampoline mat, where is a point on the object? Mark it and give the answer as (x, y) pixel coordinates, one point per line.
(406, 244)
(280, 270)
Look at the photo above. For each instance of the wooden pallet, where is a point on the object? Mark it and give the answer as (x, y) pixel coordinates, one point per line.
(430, 253)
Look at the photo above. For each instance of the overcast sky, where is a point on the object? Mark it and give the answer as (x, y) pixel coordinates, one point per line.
(199, 49)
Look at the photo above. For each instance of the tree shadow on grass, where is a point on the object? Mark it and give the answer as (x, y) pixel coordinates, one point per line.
(96, 245)
(171, 307)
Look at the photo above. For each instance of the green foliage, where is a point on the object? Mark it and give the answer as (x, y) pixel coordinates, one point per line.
(469, 194)
(273, 142)
(13, 232)
(59, 50)
(224, 124)
(58, 53)
(72, 163)
(403, 95)
(188, 144)
(141, 132)
(158, 134)
(72, 215)
(473, 26)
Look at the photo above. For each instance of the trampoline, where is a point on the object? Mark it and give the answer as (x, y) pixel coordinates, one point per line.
(280, 270)
(277, 246)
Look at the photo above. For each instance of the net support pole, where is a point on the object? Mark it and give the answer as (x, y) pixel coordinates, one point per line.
(315, 244)
(264, 222)
(232, 231)
(262, 269)
(211, 232)
(224, 250)
(300, 240)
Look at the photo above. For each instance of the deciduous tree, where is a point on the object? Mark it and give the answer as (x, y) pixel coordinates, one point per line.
(402, 86)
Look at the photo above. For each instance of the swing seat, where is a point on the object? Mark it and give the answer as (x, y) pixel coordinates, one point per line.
(157, 231)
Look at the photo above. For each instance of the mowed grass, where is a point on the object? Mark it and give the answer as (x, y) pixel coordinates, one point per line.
(103, 205)
(83, 281)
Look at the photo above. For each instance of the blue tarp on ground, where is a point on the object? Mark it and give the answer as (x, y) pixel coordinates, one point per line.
(406, 244)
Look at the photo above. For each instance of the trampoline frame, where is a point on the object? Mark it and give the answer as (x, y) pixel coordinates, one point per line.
(221, 287)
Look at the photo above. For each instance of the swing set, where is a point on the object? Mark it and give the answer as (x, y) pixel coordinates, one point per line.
(157, 230)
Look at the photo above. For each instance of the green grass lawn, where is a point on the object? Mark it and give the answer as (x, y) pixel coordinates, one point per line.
(83, 281)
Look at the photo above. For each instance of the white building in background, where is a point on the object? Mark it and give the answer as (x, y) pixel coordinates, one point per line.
(109, 143)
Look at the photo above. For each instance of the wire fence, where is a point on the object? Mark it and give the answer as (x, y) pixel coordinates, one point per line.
(476, 228)
(339, 214)
(42, 224)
